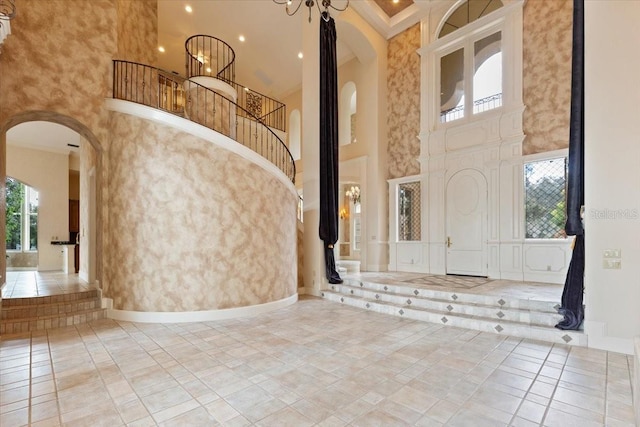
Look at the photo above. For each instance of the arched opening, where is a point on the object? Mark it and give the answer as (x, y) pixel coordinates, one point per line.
(29, 128)
(347, 114)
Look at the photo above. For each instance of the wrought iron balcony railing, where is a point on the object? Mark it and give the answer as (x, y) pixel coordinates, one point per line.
(167, 91)
(208, 56)
(479, 106)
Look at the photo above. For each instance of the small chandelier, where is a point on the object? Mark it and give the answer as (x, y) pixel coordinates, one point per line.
(354, 194)
(326, 4)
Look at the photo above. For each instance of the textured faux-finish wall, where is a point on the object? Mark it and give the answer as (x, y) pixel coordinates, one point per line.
(195, 227)
(58, 58)
(547, 35)
(138, 31)
(403, 105)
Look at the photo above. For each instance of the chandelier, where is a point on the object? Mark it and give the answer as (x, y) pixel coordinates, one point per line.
(354, 194)
(326, 4)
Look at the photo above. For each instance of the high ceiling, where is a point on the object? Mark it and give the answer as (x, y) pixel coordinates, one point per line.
(267, 61)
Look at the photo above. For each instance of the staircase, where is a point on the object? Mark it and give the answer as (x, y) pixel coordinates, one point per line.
(19, 315)
(522, 318)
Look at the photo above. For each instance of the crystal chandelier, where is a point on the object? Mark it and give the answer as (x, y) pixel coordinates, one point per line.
(326, 4)
(354, 194)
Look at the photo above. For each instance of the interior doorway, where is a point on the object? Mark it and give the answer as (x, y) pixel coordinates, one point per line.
(29, 135)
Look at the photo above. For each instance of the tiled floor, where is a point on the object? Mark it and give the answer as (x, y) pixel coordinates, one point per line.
(26, 284)
(312, 363)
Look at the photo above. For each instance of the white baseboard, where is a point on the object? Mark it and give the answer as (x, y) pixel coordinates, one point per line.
(596, 331)
(194, 316)
(636, 380)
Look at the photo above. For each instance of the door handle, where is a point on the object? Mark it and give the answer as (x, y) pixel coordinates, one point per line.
(448, 241)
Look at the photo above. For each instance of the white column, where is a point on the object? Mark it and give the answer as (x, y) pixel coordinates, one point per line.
(314, 270)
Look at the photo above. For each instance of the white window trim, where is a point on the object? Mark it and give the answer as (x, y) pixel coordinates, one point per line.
(394, 214)
(508, 21)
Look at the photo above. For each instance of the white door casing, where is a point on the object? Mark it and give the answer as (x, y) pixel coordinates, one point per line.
(466, 223)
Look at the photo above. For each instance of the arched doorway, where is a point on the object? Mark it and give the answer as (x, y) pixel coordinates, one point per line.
(90, 234)
(466, 223)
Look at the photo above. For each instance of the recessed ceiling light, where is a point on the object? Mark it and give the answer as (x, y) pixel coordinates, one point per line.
(300, 55)
(161, 49)
(241, 38)
(208, 69)
(396, 1)
(188, 8)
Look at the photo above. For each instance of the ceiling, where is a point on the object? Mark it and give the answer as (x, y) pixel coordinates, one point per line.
(45, 136)
(267, 61)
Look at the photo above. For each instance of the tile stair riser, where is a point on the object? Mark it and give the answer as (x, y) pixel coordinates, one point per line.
(420, 301)
(21, 326)
(19, 312)
(19, 315)
(62, 298)
(461, 296)
(521, 331)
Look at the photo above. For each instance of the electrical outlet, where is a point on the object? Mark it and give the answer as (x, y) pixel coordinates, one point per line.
(612, 264)
(612, 253)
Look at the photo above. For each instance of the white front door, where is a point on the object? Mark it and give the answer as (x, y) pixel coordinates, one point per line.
(466, 219)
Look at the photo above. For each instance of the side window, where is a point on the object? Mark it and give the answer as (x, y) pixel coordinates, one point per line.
(22, 216)
(347, 114)
(294, 134)
(409, 207)
(544, 198)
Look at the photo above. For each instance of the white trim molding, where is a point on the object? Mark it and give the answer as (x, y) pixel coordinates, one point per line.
(195, 316)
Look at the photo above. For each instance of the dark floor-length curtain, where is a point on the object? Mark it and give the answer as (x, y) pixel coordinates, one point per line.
(572, 306)
(329, 144)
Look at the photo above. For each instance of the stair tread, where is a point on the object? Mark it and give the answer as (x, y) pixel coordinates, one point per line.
(48, 304)
(448, 300)
(445, 313)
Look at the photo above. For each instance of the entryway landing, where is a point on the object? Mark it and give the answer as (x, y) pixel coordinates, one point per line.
(519, 309)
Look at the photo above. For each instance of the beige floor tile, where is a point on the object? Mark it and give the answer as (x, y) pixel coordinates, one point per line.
(286, 417)
(306, 364)
(557, 418)
(173, 411)
(50, 422)
(378, 418)
(442, 411)
(195, 417)
(132, 410)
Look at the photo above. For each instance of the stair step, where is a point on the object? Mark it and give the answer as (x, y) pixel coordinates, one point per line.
(47, 310)
(15, 326)
(448, 306)
(19, 315)
(49, 299)
(505, 316)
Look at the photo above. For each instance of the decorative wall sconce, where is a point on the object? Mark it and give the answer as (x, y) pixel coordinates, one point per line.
(354, 194)
(343, 213)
